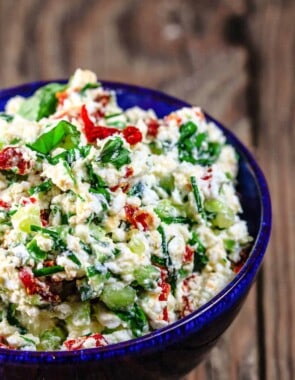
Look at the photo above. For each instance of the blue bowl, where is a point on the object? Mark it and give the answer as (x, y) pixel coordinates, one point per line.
(173, 351)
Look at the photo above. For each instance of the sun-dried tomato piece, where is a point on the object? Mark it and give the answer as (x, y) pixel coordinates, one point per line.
(34, 286)
(12, 158)
(78, 343)
(153, 127)
(44, 215)
(165, 314)
(4, 204)
(165, 291)
(189, 254)
(136, 216)
(132, 135)
(93, 132)
(129, 172)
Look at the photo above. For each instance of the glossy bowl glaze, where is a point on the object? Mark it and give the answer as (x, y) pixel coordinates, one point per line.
(173, 351)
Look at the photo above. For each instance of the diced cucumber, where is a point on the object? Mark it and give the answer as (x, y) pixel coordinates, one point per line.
(165, 209)
(81, 315)
(136, 244)
(25, 217)
(147, 276)
(229, 245)
(117, 297)
(52, 339)
(214, 205)
(167, 183)
(96, 232)
(224, 218)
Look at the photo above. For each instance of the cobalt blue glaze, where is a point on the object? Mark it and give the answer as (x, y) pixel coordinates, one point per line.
(173, 351)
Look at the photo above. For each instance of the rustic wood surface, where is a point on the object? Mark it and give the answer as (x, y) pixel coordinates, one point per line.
(235, 58)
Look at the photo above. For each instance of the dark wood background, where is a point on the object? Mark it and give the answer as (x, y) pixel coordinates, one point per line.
(235, 59)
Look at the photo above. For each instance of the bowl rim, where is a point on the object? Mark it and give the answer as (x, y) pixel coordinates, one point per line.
(183, 327)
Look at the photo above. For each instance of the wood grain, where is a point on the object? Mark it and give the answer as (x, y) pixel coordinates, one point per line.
(273, 33)
(236, 60)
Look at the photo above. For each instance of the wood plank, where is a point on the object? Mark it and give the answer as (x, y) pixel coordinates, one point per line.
(273, 36)
(177, 46)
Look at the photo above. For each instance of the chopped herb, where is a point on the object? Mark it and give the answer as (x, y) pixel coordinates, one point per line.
(74, 259)
(172, 274)
(113, 115)
(156, 260)
(137, 190)
(48, 271)
(15, 141)
(89, 86)
(12, 320)
(200, 261)
(114, 153)
(55, 233)
(136, 319)
(86, 247)
(42, 104)
(197, 196)
(6, 117)
(70, 174)
(176, 219)
(42, 188)
(35, 252)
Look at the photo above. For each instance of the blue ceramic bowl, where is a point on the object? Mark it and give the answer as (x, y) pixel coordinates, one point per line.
(173, 351)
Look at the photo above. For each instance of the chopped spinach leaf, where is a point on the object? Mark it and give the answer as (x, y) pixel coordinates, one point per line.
(200, 261)
(114, 153)
(97, 184)
(42, 104)
(64, 134)
(193, 147)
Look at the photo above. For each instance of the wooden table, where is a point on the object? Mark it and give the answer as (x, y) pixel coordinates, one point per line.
(235, 58)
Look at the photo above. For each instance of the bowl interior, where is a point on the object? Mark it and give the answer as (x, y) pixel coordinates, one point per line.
(255, 200)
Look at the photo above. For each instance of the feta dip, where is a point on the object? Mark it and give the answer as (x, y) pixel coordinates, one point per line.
(113, 223)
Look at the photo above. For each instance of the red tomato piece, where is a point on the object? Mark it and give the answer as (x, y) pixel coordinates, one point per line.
(129, 172)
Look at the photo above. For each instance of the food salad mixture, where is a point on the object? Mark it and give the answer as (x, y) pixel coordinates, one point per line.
(113, 222)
